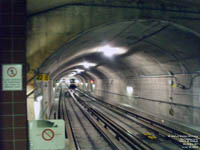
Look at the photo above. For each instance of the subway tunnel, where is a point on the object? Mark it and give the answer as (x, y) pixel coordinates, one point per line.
(150, 67)
(160, 67)
(144, 61)
(135, 65)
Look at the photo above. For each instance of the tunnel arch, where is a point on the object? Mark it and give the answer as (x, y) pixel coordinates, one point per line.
(150, 10)
(84, 51)
(157, 55)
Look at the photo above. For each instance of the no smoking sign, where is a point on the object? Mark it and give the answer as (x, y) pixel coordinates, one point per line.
(12, 72)
(12, 77)
(47, 134)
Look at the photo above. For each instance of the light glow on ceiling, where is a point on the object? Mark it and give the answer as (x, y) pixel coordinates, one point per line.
(72, 74)
(93, 86)
(37, 109)
(79, 70)
(129, 90)
(88, 64)
(39, 98)
(86, 84)
(111, 51)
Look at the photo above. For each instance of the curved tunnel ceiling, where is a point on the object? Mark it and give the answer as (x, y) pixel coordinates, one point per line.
(152, 47)
(33, 7)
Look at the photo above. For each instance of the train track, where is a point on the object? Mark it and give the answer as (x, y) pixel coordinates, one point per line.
(149, 137)
(85, 133)
(161, 130)
(91, 129)
(126, 139)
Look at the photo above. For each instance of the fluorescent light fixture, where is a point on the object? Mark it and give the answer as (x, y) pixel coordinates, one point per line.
(37, 109)
(88, 64)
(111, 51)
(86, 84)
(77, 81)
(93, 86)
(129, 90)
(79, 70)
(72, 74)
(39, 98)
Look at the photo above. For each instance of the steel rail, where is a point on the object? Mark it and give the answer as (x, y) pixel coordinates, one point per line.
(107, 137)
(63, 114)
(121, 133)
(148, 123)
(73, 141)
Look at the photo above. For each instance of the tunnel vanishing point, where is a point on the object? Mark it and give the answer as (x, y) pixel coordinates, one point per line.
(134, 66)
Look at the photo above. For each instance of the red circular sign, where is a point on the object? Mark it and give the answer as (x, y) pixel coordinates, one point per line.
(12, 71)
(48, 134)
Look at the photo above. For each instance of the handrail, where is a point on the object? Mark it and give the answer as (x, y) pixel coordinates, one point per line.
(30, 93)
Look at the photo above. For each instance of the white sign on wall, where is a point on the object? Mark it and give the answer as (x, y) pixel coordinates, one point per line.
(47, 134)
(12, 77)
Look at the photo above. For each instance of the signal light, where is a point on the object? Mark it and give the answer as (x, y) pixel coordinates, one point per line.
(92, 81)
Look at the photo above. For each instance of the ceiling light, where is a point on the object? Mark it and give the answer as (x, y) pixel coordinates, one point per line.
(39, 98)
(79, 70)
(72, 74)
(110, 51)
(129, 90)
(93, 86)
(88, 65)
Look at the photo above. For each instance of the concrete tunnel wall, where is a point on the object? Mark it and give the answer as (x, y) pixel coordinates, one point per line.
(149, 93)
(146, 67)
(48, 30)
(145, 91)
